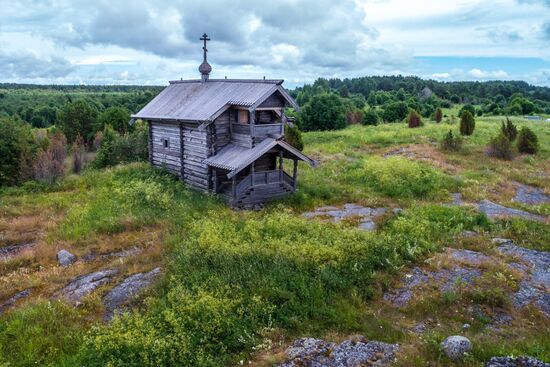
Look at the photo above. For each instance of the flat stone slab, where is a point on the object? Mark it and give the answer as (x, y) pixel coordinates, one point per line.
(494, 210)
(13, 300)
(516, 362)
(14, 250)
(531, 195)
(85, 284)
(535, 286)
(444, 279)
(365, 215)
(310, 352)
(126, 290)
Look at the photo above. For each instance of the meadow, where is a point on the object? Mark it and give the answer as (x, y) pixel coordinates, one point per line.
(241, 285)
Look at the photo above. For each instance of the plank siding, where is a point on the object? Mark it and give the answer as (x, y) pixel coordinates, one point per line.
(196, 148)
(161, 156)
(275, 100)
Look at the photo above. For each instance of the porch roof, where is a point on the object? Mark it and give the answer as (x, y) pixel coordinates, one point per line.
(235, 158)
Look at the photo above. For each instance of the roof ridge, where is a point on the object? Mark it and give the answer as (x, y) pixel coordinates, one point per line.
(266, 81)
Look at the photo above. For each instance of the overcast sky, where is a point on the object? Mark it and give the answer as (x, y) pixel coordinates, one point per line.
(151, 42)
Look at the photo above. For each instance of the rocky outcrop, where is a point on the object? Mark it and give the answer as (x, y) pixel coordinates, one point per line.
(494, 211)
(13, 250)
(455, 347)
(534, 288)
(516, 362)
(85, 284)
(65, 258)
(365, 215)
(127, 289)
(13, 300)
(531, 195)
(310, 352)
(122, 254)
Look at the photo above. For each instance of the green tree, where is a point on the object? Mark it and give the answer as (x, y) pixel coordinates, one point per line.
(500, 147)
(77, 118)
(467, 123)
(370, 117)
(509, 129)
(395, 111)
(528, 141)
(117, 117)
(438, 115)
(293, 136)
(16, 151)
(467, 107)
(324, 111)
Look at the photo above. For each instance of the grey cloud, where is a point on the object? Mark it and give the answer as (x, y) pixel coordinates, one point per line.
(26, 65)
(546, 31)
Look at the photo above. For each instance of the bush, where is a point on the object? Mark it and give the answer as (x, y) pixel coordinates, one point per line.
(117, 117)
(293, 136)
(451, 142)
(118, 149)
(49, 164)
(467, 107)
(414, 120)
(354, 116)
(467, 123)
(370, 117)
(500, 147)
(509, 129)
(438, 115)
(16, 151)
(324, 111)
(78, 152)
(395, 111)
(528, 141)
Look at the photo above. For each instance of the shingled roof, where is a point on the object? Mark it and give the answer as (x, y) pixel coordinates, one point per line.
(199, 101)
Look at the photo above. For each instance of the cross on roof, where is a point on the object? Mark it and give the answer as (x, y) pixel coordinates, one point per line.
(205, 38)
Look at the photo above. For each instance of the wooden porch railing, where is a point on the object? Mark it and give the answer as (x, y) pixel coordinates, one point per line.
(263, 178)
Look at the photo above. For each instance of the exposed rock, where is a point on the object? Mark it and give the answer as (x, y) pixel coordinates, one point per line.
(405, 152)
(13, 299)
(516, 362)
(456, 347)
(85, 284)
(500, 241)
(531, 195)
(534, 287)
(365, 215)
(466, 326)
(65, 258)
(309, 352)
(444, 279)
(493, 211)
(468, 234)
(13, 250)
(457, 199)
(419, 328)
(128, 288)
(397, 211)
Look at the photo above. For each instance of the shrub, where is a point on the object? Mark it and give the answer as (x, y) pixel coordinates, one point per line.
(16, 151)
(370, 117)
(467, 107)
(323, 112)
(49, 164)
(293, 136)
(451, 142)
(500, 147)
(528, 141)
(354, 117)
(414, 120)
(395, 111)
(509, 129)
(467, 123)
(78, 152)
(118, 149)
(438, 115)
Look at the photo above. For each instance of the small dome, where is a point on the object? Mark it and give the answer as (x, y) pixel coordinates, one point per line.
(205, 68)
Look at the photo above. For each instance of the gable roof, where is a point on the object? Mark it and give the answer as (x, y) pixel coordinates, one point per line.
(235, 158)
(197, 101)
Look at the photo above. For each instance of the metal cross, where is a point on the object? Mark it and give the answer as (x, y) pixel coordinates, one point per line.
(205, 38)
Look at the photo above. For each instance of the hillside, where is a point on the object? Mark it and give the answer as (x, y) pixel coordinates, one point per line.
(374, 243)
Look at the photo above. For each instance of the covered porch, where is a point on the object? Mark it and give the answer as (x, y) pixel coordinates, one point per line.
(250, 176)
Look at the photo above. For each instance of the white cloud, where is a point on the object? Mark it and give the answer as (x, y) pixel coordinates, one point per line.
(441, 76)
(484, 74)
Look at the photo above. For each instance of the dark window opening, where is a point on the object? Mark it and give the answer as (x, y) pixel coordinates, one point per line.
(166, 143)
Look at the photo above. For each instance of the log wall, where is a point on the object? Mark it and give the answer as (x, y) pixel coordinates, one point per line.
(161, 155)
